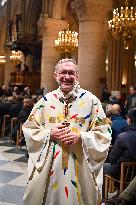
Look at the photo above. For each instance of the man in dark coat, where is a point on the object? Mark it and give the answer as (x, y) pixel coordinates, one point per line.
(118, 122)
(22, 116)
(124, 148)
(15, 108)
(131, 99)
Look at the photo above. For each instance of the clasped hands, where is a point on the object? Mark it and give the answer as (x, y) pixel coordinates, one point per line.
(64, 134)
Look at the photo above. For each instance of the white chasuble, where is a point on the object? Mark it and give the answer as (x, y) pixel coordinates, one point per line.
(72, 175)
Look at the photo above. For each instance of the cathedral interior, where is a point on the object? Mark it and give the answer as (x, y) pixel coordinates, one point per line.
(30, 28)
(100, 35)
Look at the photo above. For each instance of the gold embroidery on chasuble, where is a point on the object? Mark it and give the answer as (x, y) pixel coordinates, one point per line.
(58, 119)
(79, 120)
(65, 150)
(32, 174)
(30, 118)
(39, 169)
(52, 119)
(99, 122)
(66, 117)
(65, 156)
(103, 121)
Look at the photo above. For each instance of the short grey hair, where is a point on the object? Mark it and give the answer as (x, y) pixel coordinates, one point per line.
(66, 60)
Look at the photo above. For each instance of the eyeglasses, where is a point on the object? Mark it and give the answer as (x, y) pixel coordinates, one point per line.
(65, 73)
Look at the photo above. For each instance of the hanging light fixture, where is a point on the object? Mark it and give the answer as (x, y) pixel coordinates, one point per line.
(16, 56)
(123, 25)
(67, 41)
(2, 60)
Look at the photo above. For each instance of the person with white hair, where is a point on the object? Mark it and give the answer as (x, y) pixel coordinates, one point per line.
(68, 137)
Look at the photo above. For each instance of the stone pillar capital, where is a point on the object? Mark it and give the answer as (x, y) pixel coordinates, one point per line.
(49, 26)
(94, 10)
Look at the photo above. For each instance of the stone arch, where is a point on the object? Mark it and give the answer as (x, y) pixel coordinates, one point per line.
(15, 9)
(62, 10)
(59, 9)
(32, 16)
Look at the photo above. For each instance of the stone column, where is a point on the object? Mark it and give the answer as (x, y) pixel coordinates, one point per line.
(9, 67)
(45, 8)
(115, 57)
(23, 13)
(120, 66)
(7, 21)
(2, 73)
(92, 33)
(49, 29)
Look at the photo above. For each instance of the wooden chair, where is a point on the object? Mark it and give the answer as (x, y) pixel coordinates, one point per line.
(19, 136)
(6, 120)
(128, 171)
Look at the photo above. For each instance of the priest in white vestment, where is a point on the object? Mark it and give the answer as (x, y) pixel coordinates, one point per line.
(68, 137)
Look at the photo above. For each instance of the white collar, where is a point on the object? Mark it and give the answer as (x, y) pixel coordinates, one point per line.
(72, 94)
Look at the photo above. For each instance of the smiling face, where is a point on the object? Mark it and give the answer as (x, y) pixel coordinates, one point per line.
(66, 75)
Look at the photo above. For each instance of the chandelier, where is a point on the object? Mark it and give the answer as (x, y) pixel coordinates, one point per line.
(123, 25)
(16, 56)
(67, 41)
(2, 60)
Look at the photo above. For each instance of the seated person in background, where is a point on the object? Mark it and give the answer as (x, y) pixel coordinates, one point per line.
(16, 107)
(131, 98)
(22, 116)
(118, 122)
(133, 106)
(124, 148)
(113, 100)
(5, 105)
(127, 197)
(129, 194)
(25, 68)
(16, 92)
(1, 91)
(40, 91)
(18, 67)
(105, 95)
(26, 92)
(7, 91)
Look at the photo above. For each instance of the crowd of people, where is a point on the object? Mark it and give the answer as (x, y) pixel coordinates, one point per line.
(122, 113)
(16, 103)
(120, 110)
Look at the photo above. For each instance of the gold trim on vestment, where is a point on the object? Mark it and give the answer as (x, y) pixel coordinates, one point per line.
(39, 169)
(65, 157)
(99, 122)
(30, 118)
(32, 174)
(79, 120)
